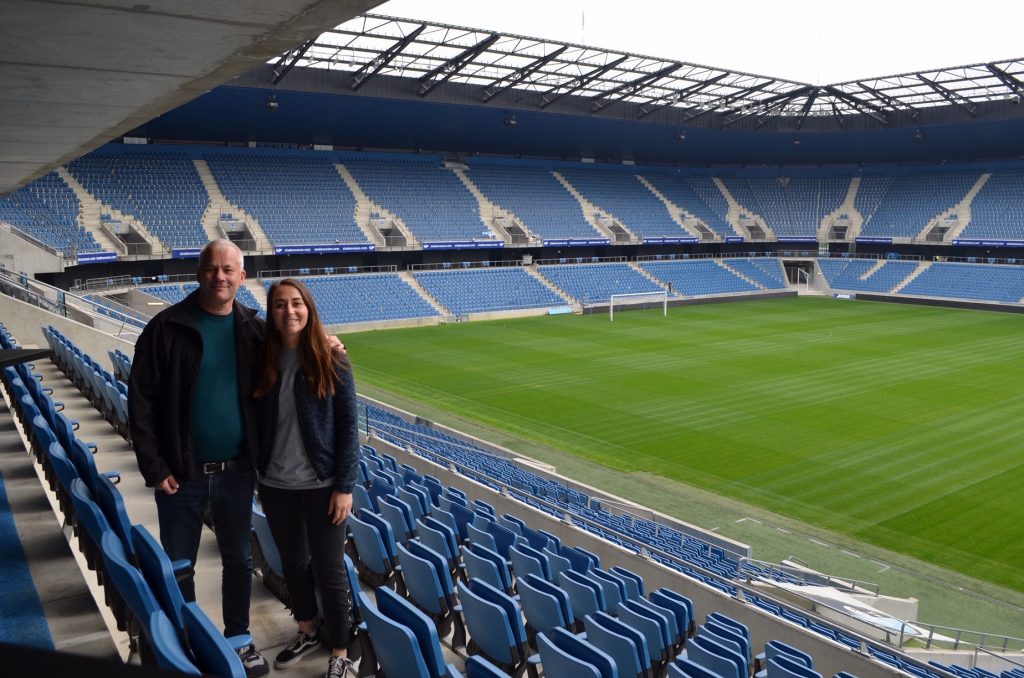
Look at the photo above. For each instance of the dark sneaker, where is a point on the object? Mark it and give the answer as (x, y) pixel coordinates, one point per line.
(337, 667)
(255, 664)
(292, 654)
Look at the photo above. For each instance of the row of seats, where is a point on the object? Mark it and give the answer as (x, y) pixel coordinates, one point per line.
(47, 209)
(137, 576)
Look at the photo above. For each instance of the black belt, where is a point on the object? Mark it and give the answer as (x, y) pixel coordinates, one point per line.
(214, 466)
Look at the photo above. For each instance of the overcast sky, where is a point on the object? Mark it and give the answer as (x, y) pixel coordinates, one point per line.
(812, 41)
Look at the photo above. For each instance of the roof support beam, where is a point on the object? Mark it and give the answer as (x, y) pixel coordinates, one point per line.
(579, 81)
(865, 107)
(292, 57)
(1013, 83)
(441, 74)
(951, 96)
(728, 99)
(837, 115)
(628, 89)
(806, 108)
(510, 80)
(892, 103)
(678, 96)
(371, 69)
(765, 105)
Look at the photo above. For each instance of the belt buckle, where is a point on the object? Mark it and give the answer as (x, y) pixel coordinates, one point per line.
(211, 467)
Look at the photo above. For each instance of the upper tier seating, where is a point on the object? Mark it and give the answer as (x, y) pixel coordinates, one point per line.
(697, 195)
(970, 281)
(162, 190)
(791, 206)
(698, 277)
(900, 207)
(622, 195)
(595, 283)
(997, 211)
(536, 197)
(431, 200)
(765, 271)
(487, 289)
(174, 293)
(366, 298)
(47, 209)
(296, 200)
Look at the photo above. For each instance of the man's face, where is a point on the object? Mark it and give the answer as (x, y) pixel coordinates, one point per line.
(219, 277)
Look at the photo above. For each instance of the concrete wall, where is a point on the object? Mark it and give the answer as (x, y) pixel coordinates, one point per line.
(18, 254)
(26, 321)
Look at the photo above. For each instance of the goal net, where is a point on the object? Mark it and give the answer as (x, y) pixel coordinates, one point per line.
(637, 300)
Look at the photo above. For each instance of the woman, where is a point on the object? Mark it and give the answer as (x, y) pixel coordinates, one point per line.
(309, 451)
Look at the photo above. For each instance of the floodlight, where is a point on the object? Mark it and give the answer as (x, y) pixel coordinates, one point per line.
(272, 103)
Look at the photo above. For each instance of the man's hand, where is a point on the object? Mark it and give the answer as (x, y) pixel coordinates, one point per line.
(168, 485)
(335, 343)
(341, 505)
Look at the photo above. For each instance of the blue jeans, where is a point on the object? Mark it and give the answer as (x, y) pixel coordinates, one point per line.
(229, 493)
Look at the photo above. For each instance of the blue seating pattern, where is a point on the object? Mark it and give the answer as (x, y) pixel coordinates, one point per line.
(47, 209)
(906, 204)
(366, 298)
(997, 208)
(979, 282)
(297, 200)
(536, 197)
(162, 190)
(621, 194)
(697, 195)
(596, 283)
(698, 277)
(481, 290)
(849, 274)
(765, 271)
(431, 200)
(791, 206)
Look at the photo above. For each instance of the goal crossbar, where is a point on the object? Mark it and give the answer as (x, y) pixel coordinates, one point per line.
(634, 299)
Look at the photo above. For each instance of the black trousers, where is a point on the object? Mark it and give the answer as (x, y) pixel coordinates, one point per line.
(310, 545)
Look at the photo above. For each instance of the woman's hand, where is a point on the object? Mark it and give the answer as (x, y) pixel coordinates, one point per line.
(340, 507)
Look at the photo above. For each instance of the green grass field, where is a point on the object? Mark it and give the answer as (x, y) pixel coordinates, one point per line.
(899, 426)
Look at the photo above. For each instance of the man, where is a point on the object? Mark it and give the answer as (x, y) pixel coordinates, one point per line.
(193, 428)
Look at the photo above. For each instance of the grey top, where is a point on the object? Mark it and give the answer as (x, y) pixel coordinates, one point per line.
(289, 467)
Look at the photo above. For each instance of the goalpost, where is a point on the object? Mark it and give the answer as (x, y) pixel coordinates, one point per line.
(642, 299)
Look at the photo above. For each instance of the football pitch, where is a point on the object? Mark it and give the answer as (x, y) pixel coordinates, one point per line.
(895, 425)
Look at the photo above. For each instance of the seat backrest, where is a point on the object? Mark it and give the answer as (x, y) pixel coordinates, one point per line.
(557, 562)
(558, 663)
(478, 667)
(480, 567)
(675, 595)
(524, 564)
(647, 626)
(634, 590)
(536, 538)
(421, 581)
(504, 538)
(586, 595)
(401, 611)
(209, 647)
(621, 649)
(678, 608)
(712, 646)
(370, 546)
(261, 528)
(412, 502)
(88, 511)
(165, 642)
(614, 590)
(463, 517)
(361, 499)
(578, 560)
(510, 522)
(691, 669)
(387, 535)
(500, 564)
(112, 504)
(585, 651)
(392, 511)
(480, 537)
(728, 640)
(543, 609)
(785, 666)
(776, 647)
(488, 626)
(705, 657)
(156, 568)
(621, 628)
(506, 602)
(127, 579)
(731, 634)
(443, 531)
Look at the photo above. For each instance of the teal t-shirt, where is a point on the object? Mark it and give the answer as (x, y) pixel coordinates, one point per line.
(217, 428)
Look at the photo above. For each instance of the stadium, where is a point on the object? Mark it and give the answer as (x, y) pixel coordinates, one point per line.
(663, 368)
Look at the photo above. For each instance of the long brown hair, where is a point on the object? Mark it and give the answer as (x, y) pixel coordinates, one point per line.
(317, 359)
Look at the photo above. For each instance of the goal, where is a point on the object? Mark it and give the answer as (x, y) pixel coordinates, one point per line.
(637, 300)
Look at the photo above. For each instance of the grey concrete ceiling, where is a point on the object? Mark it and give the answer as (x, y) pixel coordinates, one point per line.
(75, 74)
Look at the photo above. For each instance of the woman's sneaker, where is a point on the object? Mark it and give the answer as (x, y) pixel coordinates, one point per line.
(337, 667)
(292, 654)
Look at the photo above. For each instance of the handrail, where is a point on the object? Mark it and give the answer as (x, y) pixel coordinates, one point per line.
(810, 577)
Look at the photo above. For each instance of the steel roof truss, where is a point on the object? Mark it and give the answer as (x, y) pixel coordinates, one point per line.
(628, 89)
(951, 96)
(579, 81)
(728, 99)
(677, 96)
(441, 74)
(510, 80)
(372, 68)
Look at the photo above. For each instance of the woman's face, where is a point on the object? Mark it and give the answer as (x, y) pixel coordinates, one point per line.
(289, 314)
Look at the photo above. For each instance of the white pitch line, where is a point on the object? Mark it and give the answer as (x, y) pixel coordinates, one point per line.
(851, 553)
(780, 529)
(753, 520)
(819, 543)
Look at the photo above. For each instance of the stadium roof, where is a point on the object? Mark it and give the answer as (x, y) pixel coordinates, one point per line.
(77, 74)
(507, 66)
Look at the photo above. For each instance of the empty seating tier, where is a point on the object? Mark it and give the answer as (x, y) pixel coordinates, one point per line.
(47, 209)
(487, 289)
(698, 277)
(621, 195)
(366, 298)
(596, 283)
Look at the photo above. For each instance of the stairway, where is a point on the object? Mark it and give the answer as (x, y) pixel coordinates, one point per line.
(847, 207)
(739, 275)
(219, 204)
(576, 307)
(735, 209)
(89, 215)
(675, 211)
(490, 211)
(645, 273)
(871, 271)
(591, 211)
(921, 268)
(409, 278)
(365, 207)
(258, 291)
(962, 210)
